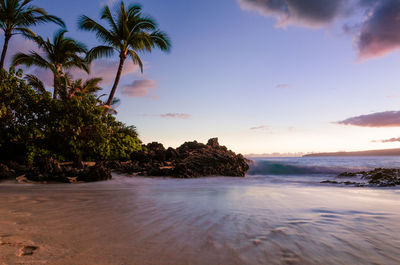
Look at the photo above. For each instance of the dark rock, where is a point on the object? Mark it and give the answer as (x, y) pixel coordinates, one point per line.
(6, 172)
(381, 177)
(48, 165)
(348, 174)
(97, 172)
(171, 154)
(330, 182)
(213, 142)
(191, 159)
(140, 157)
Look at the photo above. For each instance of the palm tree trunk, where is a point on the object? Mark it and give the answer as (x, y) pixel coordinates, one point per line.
(56, 80)
(55, 92)
(117, 78)
(7, 38)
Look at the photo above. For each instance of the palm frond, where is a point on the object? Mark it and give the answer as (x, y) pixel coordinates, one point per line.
(100, 52)
(36, 83)
(136, 59)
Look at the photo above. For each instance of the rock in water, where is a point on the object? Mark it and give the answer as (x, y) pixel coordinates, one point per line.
(190, 160)
(6, 172)
(383, 177)
(97, 172)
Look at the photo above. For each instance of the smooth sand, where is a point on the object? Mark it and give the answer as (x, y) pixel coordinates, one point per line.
(202, 221)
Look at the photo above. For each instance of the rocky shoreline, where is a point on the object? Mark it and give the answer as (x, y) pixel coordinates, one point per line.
(190, 160)
(378, 177)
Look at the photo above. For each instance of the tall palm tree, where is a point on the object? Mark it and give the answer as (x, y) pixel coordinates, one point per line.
(60, 54)
(128, 33)
(16, 16)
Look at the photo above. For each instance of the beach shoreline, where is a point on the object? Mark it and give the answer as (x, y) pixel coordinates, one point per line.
(198, 221)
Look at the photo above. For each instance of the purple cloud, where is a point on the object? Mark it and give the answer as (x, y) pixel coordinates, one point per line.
(380, 119)
(139, 88)
(380, 31)
(376, 33)
(310, 13)
(176, 115)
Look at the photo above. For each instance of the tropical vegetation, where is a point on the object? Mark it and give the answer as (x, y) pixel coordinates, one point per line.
(129, 33)
(68, 120)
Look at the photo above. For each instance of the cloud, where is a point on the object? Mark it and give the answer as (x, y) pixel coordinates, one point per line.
(19, 44)
(309, 13)
(176, 115)
(380, 33)
(106, 69)
(391, 140)
(282, 86)
(262, 127)
(380, 119)
(374, 24)
(139, 88)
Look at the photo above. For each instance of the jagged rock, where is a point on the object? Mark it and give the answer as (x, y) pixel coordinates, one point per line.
(6, 172)
(48, 165)
(191, 159)
(171, 154)
(383, 177)
(329, 182)
(348, 174)
(213, 142)
(97, 172)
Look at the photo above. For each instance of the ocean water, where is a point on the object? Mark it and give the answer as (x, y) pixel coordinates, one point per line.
(278, 214)
(315, 169)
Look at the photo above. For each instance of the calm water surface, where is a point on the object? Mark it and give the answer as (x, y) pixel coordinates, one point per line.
(270, 218)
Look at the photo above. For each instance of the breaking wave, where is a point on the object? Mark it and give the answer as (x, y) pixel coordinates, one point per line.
(280, 168)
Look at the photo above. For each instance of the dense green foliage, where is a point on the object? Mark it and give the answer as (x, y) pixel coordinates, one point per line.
(72, 123)
(33, 124)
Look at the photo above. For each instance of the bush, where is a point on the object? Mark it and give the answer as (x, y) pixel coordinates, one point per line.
(32, 125)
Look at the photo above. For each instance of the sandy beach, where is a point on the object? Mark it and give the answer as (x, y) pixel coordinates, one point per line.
(199, 221)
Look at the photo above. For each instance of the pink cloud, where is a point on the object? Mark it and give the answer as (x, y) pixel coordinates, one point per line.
(176, 115)
(106, 69)
(393, 96)
(282, 86)
(262, 127)
(380, 119)
(391, 140)
(139, 88)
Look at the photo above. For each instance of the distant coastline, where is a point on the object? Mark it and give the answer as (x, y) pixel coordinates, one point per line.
(382, 152)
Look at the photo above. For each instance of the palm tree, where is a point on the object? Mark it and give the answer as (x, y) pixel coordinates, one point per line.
(16, 16)
(128, 33)
(79, 87)
(59, 54)
(69, 88)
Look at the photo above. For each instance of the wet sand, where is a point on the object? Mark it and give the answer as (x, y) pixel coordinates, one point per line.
(200, 221)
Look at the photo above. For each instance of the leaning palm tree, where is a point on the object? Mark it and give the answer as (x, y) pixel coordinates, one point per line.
(60, 54)
(16, 16)
(128, 33)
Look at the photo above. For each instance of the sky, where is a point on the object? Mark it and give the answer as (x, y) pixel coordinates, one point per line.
(261, 75)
